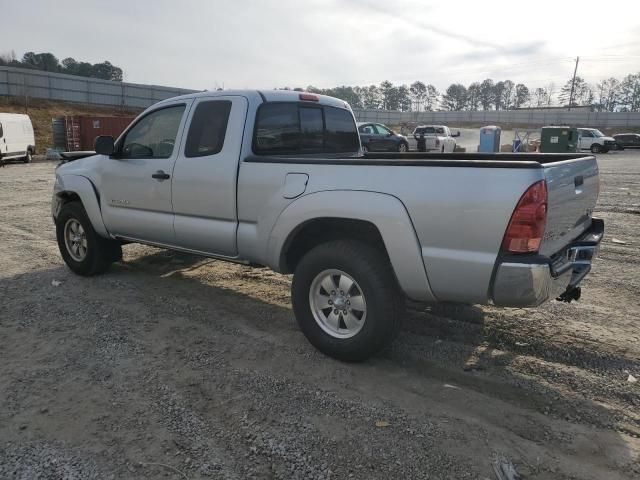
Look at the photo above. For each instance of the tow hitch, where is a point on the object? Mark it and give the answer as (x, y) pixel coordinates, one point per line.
(570, 294)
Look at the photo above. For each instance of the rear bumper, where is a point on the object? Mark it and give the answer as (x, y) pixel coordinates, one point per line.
(528, 281)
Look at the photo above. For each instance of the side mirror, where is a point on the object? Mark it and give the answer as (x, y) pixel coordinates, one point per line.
(457, 134)
(104, 145)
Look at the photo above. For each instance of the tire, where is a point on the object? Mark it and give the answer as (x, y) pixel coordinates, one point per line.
(98, 253)
(595, 148)
(27, 158)
(442, 148)
(403, 147)
(379, 307)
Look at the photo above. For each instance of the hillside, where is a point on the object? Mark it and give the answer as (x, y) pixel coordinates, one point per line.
(42, 111)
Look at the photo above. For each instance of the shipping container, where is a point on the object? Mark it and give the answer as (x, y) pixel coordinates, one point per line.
(74, 133)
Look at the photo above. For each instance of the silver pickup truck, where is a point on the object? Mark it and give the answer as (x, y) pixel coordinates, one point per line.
(278, 179)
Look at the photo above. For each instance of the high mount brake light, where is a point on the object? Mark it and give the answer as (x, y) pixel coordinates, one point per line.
(526, 227)
(309, 97)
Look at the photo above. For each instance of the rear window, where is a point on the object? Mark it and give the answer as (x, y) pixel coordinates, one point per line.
(311, 128)
(425, 130)
(208, 128)
(290, 128)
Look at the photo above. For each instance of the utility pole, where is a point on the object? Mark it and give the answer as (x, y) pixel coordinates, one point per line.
(573, 83)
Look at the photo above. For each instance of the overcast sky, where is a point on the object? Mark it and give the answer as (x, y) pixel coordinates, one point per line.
(202, 44)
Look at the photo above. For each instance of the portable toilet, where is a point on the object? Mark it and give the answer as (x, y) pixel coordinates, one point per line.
(489, 139)
(558, 140)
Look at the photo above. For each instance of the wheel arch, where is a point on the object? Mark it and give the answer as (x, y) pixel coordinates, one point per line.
(375, 218)
(78, 188)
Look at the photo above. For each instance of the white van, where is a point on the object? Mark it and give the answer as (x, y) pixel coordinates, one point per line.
(16, 137)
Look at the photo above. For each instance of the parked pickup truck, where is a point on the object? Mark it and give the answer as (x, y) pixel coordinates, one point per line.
(276, 179)
(435, 138)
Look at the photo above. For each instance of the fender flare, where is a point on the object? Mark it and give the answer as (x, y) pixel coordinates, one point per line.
(386, 212)
(83, 187)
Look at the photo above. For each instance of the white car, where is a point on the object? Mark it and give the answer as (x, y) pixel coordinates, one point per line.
(16, 137)
(594, 140)
(435, 137)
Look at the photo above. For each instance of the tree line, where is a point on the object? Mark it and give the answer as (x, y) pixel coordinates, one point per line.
(48, 62)
(609, 95)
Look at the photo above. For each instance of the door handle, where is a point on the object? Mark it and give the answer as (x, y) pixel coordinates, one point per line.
(161, 175)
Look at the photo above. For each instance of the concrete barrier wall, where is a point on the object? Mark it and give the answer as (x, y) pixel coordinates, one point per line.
(504, 117)
(20, 82)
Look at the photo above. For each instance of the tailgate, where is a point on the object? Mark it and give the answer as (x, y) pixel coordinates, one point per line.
(430, 142)
(572, 187)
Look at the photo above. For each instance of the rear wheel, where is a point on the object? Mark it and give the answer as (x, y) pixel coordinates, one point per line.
(596, 148)
(346, 300)
(83, 250)
(402, 148)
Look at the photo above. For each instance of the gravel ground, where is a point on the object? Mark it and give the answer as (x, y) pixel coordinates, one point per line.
(172, 366)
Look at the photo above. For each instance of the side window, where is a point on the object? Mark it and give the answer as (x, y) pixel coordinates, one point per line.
(208, 128)
(154, 136)
(1, 131)
(311, 128)
(366, 130)
(277, 128)
(382, 130)
(341, 133)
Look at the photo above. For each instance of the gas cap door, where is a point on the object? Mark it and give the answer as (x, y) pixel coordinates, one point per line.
(295, 184)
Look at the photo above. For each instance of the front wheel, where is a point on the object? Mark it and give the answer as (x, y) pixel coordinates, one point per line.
(28, 157)
(83, 250)
(346, 300)
(595, 148)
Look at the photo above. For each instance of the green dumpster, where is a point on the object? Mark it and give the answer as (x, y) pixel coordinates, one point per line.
(558, 140)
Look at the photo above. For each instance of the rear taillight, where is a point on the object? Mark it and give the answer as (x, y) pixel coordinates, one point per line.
(526, 227)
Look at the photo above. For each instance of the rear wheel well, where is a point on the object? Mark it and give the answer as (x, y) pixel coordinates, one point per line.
(322, 230)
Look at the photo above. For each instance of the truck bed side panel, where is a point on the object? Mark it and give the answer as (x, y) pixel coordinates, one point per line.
(459, 213)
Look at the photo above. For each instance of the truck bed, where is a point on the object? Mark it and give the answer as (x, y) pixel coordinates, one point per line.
(459, 214)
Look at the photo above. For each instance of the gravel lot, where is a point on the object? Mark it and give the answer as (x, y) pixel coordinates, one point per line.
(174, 366)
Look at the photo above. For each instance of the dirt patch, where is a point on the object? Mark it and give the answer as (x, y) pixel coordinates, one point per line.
(176, 366)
